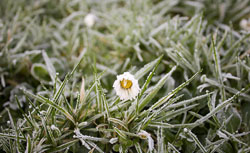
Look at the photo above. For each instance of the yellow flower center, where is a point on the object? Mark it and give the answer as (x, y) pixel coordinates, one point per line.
(126, 83)
(143, 136)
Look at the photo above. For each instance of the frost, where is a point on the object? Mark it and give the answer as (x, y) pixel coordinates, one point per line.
(113, 140)
(145, 135)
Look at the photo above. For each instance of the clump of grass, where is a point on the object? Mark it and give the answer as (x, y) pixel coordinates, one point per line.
(193, 70)
(227, 12)
(104, 123)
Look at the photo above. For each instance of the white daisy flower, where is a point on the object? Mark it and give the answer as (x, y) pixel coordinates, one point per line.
(245, 24)
(145, 135)
(126, 86)
(90, 20)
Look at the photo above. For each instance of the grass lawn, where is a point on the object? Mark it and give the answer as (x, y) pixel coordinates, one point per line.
(154, 76)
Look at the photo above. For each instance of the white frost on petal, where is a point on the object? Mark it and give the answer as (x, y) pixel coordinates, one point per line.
(123, 93)
(145, 135)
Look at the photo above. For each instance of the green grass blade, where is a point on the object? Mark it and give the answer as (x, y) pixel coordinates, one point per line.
(176, 90)
(63, 146)
(139, 74)
(157, 87)
(50, 67)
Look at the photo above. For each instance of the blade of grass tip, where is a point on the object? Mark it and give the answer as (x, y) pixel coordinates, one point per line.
(51, 136)
(200, 23)
(98, 97)
(102, 99)
(29, 145)
(125, 65)
(90, 120)
(147, 120)
(157, 87)
(178, 58)
(26, 53)
(222, 40)
(63, 146)
(81, 107)
(207, 55)
(145, 85)
(56, 97)
(77, 102)
(186, 26)
(62, 86)
(232, 136)
(218, 71)
(217, 147)
(197, 59)
(120, 133)
(89, 138)
(196, 140)
(172, 147)
(20, 43)
(50, 66)
(82, 91)
(4, 144)
(211, 106)
(67, 77)
(138, 148)
(138, 51)
(14, 137)
(117, 121)
(186, 102)
(199, 116)
(158, 29)
(112, 130)
(72, 90)
(16, 130)
(69, 18)
(172, 93)
(25, 116)
(181, 49)
(62, 110)
(69, 107)
(33, 106)
(101, 67)
(160, 140)
(47, 133)
(220, 106)
(170, 102)
(29, 94)
(173, 114)
(239, 71)
(227, 57)
(66, 150)
(139, 74)
(168, 126)
(79, 62)
(185, 61)
(95, 146)
(60, 90)
(11, 119)
(92, 150)
(106, 106)
(52, 117)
